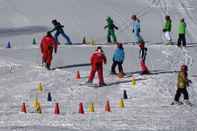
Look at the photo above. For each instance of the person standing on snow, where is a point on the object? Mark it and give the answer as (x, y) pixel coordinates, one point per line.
(182, 84)
(111, 30)
(167, 29)
(136, 29)
(47, 45)
(97, 60)
(181, 33)
(118, 58)
(142, 52)
(59, 30)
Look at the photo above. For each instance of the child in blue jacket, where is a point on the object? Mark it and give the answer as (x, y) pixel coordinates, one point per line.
(118, 58)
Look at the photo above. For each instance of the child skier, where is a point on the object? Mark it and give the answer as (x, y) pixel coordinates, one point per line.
(59, 30)
(181, 33)
(142, 57)
(97, 60)
(111, 30)
(48, 44)
(167, 29)
(136, 29)
(118, 58)
(182, 84)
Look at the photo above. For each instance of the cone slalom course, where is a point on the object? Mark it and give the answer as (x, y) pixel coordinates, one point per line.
(49, 98)
(107, 106)
(121, 103)
(8, 44)
(37, 106)
(78, 77)
(125, 94)
(40, 88)
(81, 109)
(34, 41)
(56, 109)
(23, 108)
(91, 107)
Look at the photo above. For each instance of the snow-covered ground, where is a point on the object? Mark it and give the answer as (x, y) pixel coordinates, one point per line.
(148, 107)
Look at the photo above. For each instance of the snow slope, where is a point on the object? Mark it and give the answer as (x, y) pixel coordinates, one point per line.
(148, 105)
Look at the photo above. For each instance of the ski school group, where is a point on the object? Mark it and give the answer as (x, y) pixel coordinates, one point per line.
(49, 43)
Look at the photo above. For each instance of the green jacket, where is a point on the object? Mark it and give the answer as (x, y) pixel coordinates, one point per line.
(182, 28)
(167, 25)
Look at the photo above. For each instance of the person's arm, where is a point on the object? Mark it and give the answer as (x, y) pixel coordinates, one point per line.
(104, 59)
(115, 27)
(105, 26)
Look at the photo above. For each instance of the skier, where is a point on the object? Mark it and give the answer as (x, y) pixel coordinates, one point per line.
(142, 57)
(58, 27)
(111, 30)
(142, 52)
(182, 84)
(118, 58)
(136, 29)
(181, 33)
(97, 60)
(48, 44)
(167, 29)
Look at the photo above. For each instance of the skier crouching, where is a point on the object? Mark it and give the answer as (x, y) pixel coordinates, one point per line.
(47, 45)
(182, 84)
(97, 60)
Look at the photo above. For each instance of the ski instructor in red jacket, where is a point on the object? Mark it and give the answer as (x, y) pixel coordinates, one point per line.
(48, 44)
(97, 60)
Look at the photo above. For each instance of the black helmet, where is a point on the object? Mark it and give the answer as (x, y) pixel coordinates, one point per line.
(54, 21)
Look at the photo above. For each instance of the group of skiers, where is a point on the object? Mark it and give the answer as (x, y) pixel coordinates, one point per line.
(98, 58)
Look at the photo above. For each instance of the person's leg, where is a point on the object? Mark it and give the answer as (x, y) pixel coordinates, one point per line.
(100, 75)
(184, 40)
(56, 37)
(177, 95)
(109, 36)
(66, 37)
(179, 40)
(120, 67)
(185, 93)
(114, 37)
(113, 67)
(91, 75)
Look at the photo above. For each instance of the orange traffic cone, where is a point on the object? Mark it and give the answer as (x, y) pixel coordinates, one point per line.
(81, 110)
(78, 75)
(107, 106)
(56, 109)
(23, 108)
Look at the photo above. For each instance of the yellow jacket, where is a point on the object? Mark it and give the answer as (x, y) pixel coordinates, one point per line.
(182, 81)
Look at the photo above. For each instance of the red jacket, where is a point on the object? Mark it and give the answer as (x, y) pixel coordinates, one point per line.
(47, 45)
(97, 58)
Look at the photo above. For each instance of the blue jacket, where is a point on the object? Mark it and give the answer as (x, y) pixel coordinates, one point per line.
(119, 55)
(136, 27)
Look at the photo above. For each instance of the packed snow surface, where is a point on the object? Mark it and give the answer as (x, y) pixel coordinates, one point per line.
(148, 105)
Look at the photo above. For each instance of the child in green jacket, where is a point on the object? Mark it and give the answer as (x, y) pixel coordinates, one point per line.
(181, 33)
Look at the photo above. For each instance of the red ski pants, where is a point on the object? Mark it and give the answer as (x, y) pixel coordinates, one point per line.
(99, 70)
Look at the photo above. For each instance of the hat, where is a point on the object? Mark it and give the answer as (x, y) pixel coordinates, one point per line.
(184, 68)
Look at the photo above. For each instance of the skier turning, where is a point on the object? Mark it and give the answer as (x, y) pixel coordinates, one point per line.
(111, 30)
(48, 44)
(181, 33)
(97, 60)
(136, 29)
(167, 29)
(118, 58)
(182, 84)
(59, 30)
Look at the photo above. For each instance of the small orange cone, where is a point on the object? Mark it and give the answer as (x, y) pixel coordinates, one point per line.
(81, 110)
(78, 75)
(23, 108)
(57, 109)
(107, 106)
